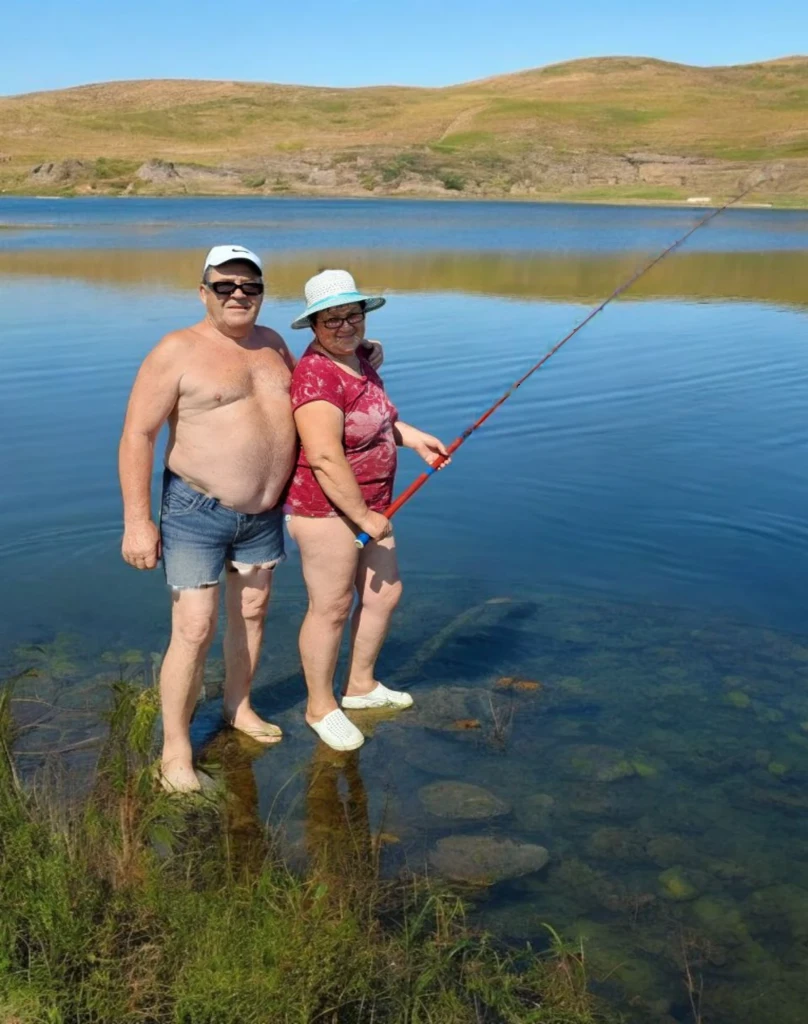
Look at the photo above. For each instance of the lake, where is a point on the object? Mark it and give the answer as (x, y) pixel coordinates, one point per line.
(603, 624)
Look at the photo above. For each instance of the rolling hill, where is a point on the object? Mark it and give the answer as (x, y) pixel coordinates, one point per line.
(597, 128)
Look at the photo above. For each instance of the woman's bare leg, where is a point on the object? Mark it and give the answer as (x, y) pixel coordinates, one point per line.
(330, 558)
(379, 589)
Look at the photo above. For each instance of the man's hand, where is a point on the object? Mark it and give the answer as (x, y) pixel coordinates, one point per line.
(374, 353)
(141, 544)
(376, 526)
(428, 447)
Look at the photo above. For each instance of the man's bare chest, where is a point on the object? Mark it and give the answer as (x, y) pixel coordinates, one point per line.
(260, 378)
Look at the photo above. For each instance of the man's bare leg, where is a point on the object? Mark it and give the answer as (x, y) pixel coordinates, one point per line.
(193, 623)
(247, 596)
(379, 587)
(329, 556)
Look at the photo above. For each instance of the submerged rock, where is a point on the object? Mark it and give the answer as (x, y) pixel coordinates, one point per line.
(778, 908)
(533, 813)
(441, 709)
(601, 764)
(721, 919)
(679, 885)
(618, 844)
(486, 860)
(461, 800)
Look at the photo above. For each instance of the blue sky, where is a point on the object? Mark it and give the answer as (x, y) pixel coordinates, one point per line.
(359, 42)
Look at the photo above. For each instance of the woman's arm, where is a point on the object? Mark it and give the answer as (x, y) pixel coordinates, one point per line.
(320, 425)
(427, 446)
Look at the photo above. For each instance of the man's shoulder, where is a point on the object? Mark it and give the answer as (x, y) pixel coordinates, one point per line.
(269, 335)
(178, 341)
(271, 339)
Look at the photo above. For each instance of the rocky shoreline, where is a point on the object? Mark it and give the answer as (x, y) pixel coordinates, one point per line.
(544, 175)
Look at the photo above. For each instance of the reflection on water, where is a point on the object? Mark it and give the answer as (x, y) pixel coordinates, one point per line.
(775, 277)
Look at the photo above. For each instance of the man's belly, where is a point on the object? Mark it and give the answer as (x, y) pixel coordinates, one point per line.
(246, 468)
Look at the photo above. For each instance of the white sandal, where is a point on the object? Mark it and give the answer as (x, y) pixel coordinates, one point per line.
(337, 731)
(379, 697)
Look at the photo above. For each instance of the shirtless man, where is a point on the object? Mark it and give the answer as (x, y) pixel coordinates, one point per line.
(223, 387)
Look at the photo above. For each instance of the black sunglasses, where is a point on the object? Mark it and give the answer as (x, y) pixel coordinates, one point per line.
(231, 287)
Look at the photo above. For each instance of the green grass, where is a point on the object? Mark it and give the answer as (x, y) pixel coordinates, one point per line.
(127, 906)
(650, 193)
(464, 141)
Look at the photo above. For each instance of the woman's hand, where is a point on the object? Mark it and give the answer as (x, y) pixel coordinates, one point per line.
(427, 446)
(376, 526)
(374, 353)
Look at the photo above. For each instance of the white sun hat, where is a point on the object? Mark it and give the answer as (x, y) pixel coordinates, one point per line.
(220, 254)
(333, 288)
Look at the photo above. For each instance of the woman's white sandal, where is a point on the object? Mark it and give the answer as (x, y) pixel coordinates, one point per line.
(337, 731)
(379, 697)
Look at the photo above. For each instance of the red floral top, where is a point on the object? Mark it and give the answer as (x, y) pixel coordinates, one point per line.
(368, 440)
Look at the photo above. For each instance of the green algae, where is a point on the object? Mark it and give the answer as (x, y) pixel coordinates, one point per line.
(678, 885)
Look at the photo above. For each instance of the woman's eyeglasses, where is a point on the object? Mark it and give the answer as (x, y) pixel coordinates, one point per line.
(333, 323)
(223, 288)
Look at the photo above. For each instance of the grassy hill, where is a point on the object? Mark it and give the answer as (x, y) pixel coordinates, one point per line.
(606, 127)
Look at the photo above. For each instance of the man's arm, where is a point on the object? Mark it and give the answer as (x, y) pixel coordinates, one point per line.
(154, 395)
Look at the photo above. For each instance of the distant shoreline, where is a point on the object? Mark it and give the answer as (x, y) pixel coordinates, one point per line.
(678, 204)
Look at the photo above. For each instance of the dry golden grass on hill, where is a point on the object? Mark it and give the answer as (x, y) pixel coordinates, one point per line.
(635, 127)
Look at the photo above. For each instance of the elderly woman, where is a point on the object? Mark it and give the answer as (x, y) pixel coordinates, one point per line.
(343, 481)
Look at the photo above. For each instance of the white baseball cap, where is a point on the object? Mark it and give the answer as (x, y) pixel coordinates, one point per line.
(224, 253)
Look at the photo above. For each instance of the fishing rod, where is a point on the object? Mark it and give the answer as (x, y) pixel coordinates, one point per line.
(418, 483)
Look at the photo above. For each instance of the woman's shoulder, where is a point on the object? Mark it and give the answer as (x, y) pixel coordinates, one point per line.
(316, 377)
(313, 364)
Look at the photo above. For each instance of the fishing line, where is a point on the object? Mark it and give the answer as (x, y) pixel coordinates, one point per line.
(419, 481)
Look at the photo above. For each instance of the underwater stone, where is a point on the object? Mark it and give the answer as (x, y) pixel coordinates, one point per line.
(602, 764)
(667, 850)
(678, 885)
(721, 919)
(612, 954)
(779, 907)
(438, 757)
(738, 699)
(644, 769)
(440, 710)
(485, 860)
(770, 716)
(618, 844)
(534, 811)
(461, 800)
(778, 769)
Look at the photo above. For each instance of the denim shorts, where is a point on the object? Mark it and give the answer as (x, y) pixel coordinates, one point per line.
(199, 534)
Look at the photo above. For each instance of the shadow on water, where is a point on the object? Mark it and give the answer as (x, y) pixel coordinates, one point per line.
(660, 758)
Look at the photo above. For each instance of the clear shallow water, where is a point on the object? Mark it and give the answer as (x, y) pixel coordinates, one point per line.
(640, 505)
